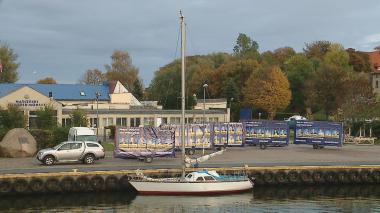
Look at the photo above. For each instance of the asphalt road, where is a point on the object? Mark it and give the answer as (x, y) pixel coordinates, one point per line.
(292, 155)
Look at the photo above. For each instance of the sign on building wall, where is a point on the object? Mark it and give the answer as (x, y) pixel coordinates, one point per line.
(270, 132)
(319, 132)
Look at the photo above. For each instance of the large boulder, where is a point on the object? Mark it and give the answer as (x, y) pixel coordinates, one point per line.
(18, 143)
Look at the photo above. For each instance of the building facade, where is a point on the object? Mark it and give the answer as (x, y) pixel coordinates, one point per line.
(109, 104)
(374, 59)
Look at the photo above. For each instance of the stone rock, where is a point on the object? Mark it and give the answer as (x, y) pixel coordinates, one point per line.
(18, 143)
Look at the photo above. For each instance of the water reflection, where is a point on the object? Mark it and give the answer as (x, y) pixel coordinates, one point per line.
(360, 198)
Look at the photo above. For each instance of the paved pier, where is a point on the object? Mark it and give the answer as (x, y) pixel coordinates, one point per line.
(273, 166)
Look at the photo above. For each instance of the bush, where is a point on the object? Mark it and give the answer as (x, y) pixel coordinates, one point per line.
(49, 138)
(2, 133)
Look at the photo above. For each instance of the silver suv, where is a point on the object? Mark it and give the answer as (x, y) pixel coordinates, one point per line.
(70, 151)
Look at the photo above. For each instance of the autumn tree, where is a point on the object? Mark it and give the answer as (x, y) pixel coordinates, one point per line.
(122, 69)
(246, 47)
(47, 80)
(317, 49)
(268, 89)
(93, 77)
(8, 64)
(359, 61)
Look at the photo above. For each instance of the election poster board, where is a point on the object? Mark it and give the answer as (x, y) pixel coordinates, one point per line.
(220, 134)
(270, 132)
(235, 134)
(200, 135)
(323, 133)
(135, 142)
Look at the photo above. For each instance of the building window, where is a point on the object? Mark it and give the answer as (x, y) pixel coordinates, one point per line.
(94, 122)
(190, 120)
(213, 119)
(135, 122)
(175, 120)
(121, 121)
(110, 122)
(164, 120)
(377, 84)
(66, 122)
(148, 121)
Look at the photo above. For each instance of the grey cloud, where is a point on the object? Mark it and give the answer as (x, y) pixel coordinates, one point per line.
(64, 38)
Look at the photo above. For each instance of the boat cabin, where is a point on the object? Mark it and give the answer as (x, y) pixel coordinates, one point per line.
(202, 176)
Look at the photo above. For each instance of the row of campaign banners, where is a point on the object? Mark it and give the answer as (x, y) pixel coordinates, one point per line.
(165, 138)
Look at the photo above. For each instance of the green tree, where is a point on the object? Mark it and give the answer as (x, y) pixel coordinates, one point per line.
(46, 118)
(78, 118)
(122, 69)
(93, 77)
(298, 70)
(47, 80)
(138, 90)
(12, 117)
(246, 47)
(269, 90)
(9, 64)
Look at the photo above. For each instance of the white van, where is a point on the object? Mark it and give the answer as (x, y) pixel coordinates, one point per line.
(82, 134)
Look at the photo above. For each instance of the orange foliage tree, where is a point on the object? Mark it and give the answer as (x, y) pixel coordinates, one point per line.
(268, 90)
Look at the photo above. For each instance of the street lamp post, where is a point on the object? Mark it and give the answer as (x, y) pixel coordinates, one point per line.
(232, 99)
(259, 115)
(97, 94)
(204, 117)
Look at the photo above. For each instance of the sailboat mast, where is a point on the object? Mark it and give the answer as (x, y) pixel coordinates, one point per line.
(183, 42)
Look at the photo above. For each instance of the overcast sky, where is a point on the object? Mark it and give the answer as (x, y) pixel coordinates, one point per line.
(64, 38)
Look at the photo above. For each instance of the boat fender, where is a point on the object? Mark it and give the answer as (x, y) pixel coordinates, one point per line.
(258, 177)
(330, 177)
(305, 176)
(281, 177)
(293, 176)
(112, 182)
(353, 176)
(52, 185)
(97, 183)
(124, 181)
(20, 186)
(36, 185)
(268, 177)
(67, 184)
(342, 177)
(318, 177)
(82, 183)
(5, 186)
(376, 176)
(365, 176)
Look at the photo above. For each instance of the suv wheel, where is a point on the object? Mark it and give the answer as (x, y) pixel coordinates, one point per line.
(48, 160)
(89, 159)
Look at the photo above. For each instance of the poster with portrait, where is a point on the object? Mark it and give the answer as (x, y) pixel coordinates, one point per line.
(220, 134)
(235, 134)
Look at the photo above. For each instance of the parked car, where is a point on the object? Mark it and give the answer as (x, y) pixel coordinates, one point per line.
(292, 120)
(72, 151)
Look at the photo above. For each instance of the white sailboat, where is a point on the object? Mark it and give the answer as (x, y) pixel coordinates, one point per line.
(195, 183)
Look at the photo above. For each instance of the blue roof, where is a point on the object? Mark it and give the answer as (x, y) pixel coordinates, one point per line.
(62, 91)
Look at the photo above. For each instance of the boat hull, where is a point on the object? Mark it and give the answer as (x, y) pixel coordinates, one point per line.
(191, 188)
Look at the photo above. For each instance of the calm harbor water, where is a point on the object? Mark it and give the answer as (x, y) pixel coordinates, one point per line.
(360, 198)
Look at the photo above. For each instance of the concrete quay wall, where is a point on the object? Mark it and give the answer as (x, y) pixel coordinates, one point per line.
(66, 182)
